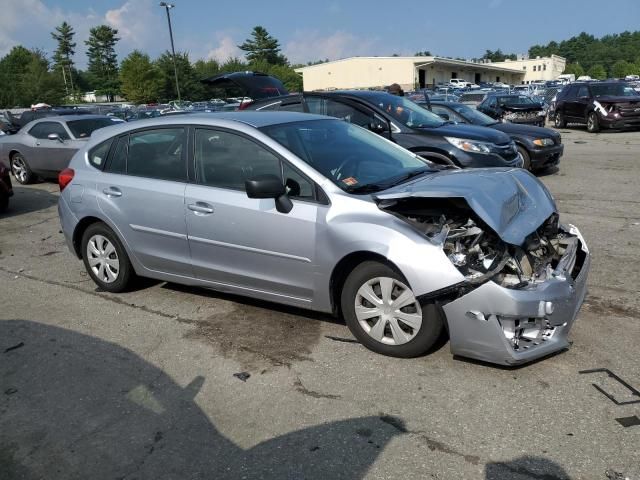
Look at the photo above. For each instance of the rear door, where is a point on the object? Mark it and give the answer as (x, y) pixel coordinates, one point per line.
(348, 111)
(581, 103)
(51, 156)
(142, 192)
(242, 242)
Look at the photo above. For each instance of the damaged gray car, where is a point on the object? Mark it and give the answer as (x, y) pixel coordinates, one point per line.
(322, 214)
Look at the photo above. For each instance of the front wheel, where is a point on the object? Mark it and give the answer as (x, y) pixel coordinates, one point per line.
(385, 316)
(593, 124)
(526, 158)
(560, 121)
(21, 170)
(105, 258)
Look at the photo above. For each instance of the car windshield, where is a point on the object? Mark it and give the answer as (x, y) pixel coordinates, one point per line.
(614, 90)
(353, 158)
(84, 128)
(515, 100)
(472, 115)
(407, 112)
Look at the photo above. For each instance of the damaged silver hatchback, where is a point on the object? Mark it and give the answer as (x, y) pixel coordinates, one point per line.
(322, 214)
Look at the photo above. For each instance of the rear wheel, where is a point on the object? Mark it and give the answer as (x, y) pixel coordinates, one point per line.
(525, 157)
(560, 121)
(383, 313)
(105, 258)
(21, 170)
(593, 124)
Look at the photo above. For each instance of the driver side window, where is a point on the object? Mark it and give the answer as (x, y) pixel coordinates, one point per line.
(325, 106)
(42, 130)
(447, 114)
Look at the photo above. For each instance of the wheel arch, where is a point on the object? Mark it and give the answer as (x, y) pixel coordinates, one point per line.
(436, 157)
(345, 266)
(79, 230)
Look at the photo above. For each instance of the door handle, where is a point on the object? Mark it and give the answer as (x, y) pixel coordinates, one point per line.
(112, 192)
(200, 207)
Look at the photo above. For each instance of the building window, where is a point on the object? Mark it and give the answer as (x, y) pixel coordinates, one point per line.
(539, 68)
(524, 67)
(534, 68)
(544, 67)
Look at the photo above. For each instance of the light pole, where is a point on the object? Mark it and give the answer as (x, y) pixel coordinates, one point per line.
(167, 6)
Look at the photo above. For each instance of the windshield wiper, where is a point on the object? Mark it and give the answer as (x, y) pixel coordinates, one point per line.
(366, 188)
(408, 176)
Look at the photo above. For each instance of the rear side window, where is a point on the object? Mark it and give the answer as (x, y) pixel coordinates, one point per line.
(158, 154)
(43, 129)
(98, 154)
(325, 106)
(583, 91)
(118, 160)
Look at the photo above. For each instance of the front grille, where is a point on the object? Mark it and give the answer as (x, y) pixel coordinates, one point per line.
(631, 109)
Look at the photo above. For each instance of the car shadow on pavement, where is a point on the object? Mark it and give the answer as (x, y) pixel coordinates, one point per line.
(525, 468)
(75, 406)
(26, 200)
(547, 172)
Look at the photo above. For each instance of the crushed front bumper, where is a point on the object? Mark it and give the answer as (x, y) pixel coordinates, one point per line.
(482, 324)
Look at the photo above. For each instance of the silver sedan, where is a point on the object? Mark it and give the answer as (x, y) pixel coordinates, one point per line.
(318, 213)
(44, 147)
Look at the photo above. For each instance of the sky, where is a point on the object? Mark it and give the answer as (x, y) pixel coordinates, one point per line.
(309, 31)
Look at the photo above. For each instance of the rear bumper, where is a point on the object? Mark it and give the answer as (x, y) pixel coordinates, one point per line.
(481, 323)
(546, 157)
(68, 222)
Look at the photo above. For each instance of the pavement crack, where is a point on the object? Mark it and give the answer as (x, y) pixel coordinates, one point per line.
(305, 391)
(433, 445)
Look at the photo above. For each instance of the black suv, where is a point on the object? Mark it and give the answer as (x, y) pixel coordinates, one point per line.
(540, 147)
(407, 124)
(513, 108)
(599, 105)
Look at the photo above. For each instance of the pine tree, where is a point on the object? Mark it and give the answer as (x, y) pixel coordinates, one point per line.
(103, 61)
(62, 61)
(263, 47)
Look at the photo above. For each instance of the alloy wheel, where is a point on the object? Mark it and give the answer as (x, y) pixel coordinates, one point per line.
(103, 259)
(19, 168)
(388, 311)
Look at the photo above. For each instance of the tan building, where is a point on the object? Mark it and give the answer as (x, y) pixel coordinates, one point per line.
(537, 69)
(410, 72)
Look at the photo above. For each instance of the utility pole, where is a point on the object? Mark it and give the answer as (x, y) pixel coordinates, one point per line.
(168, 6)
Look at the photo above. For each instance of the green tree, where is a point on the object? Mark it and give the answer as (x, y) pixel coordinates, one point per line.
(103, 61)
(622, 68)
(62, 61)
(597, 71)
(574, 68)
(190, 86)
(206, 68)
(498, 56)
(26, 79)
(426, 53)
(139, 81)
(262, 46)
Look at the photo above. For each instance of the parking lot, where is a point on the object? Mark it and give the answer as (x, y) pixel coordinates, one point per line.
(175, 382)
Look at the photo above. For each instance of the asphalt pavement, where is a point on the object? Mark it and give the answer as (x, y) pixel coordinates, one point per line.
(171, 382)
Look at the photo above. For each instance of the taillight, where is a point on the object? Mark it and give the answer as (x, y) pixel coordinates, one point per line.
(65, 177)
(244, 105)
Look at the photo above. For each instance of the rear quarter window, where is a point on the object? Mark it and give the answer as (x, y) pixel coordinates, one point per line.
(98, 154)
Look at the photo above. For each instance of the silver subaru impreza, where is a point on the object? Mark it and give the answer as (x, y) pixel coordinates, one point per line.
(319, 213)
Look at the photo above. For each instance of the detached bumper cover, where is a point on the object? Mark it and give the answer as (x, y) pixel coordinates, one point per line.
(482, 322)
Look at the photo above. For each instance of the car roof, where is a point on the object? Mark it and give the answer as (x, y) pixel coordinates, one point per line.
(251, 118)
(67, 118)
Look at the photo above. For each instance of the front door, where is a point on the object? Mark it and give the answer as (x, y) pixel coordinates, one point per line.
(245, 243)
(51, 156)
(142, 194)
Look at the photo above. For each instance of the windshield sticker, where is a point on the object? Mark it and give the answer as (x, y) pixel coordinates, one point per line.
(349, 181)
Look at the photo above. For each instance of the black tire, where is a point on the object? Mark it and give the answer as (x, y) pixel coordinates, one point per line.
(125, 272)
(560, 121)
(427, 334)
(18, 166)
(526, 157)
(593, 124)
(4, 202)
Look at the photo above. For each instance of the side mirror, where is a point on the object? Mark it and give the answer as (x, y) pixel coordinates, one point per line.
(378, 127)
(55, 136)
(269, 186)
(444, 116)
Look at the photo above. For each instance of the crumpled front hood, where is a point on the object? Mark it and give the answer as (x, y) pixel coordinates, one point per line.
(512, 202)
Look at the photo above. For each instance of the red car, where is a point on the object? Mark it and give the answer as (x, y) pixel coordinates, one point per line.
(6, 189)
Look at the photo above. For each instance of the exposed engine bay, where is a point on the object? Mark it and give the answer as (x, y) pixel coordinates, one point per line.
(480, 254)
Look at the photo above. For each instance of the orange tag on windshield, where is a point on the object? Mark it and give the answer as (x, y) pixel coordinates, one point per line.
(349, 181)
